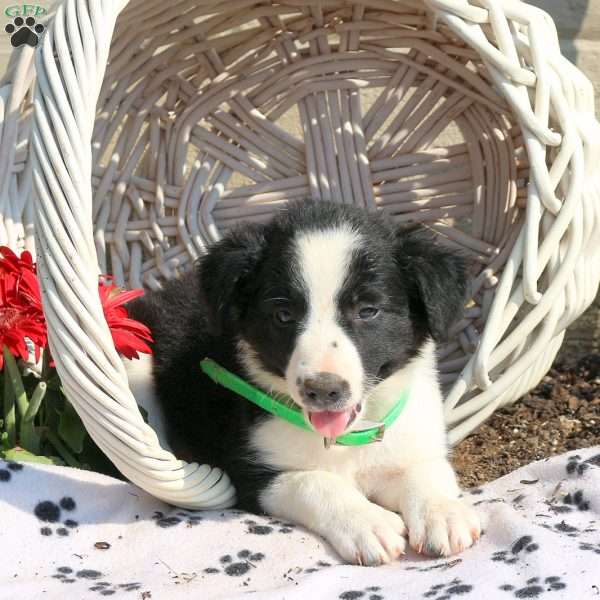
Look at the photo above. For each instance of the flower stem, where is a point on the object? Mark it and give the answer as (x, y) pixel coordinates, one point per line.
(10, 418)
(16, 381)
(36, 401)
(30, 440)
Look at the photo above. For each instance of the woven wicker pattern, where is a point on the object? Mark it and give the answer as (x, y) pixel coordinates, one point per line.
(16, 210)
(198, 115)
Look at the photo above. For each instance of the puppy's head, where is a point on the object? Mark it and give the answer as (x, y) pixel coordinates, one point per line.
(326, 300)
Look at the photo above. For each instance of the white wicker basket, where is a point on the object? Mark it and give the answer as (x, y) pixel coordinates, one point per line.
(158, 126)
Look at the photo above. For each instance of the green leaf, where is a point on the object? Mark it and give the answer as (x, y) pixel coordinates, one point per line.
(71, 429)
(29, 436)
(20, 455)
(62, 450)
(36, 401)
(54, 404)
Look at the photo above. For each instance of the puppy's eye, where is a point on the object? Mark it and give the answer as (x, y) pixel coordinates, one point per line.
(283, 316)
(367, 313)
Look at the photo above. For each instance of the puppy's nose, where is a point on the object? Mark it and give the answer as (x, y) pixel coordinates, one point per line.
(324, 390)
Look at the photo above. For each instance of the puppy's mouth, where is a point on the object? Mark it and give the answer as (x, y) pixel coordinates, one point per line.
(332, 423)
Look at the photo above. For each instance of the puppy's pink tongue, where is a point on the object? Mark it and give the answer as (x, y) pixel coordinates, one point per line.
(329, 423)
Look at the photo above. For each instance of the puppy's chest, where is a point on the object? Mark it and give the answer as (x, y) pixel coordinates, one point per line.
(287, 448)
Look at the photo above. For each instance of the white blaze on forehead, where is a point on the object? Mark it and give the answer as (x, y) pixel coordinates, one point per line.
(324, 257)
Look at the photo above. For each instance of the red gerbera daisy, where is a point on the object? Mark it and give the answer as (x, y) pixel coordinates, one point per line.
(129, 336)
(22, 317)
(21, 313)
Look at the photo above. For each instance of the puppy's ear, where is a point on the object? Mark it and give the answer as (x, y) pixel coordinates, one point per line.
(436, 279)
(224, 271)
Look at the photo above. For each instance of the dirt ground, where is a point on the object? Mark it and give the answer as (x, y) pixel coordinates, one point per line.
(562, 413)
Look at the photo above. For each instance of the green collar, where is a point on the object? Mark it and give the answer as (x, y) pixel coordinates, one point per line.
(293, 414)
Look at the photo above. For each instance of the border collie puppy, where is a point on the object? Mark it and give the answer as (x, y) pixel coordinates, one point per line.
(336, 309)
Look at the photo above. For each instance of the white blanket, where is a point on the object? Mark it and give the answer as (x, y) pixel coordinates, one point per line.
(66, 533)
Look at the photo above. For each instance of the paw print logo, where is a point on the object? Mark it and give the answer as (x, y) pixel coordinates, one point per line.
(369, 593)
(7, 473)
(511, 557)
(247, 560)
(535, 587)
(52, 513)
(165, 522)
(445, 591)
(104, 588)
(24, 31)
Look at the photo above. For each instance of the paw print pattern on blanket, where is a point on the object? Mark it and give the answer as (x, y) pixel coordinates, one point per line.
(69, 575)
(565, 529)
(50, 512)
(445, 591)
(248, 560)
(104, 588)
(591, 527)
(535, 587)
(578, 500)
(524, 543)
(560, 508)
(369, 593)
(566, 567)
(163, 521)
(270, 527)
(7, 473)
(321, 564)
(590, 547)
(481, 492)
(575, 466)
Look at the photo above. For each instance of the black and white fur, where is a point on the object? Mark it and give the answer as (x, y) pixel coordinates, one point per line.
(321, 289)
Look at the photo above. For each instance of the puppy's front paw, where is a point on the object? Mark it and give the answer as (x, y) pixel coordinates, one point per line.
(441, 527)
(368, 535)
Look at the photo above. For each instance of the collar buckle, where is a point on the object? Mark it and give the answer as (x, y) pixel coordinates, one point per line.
(380, 433)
